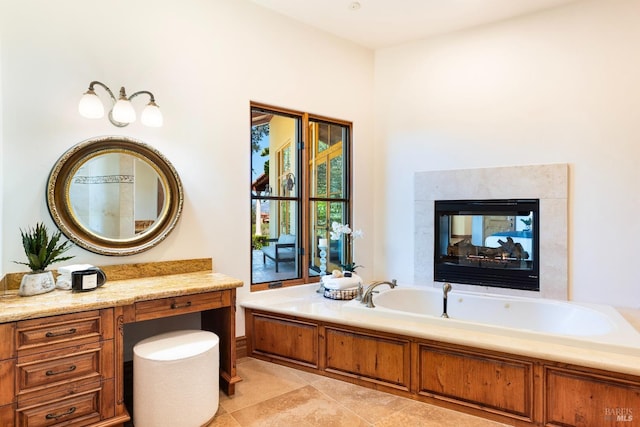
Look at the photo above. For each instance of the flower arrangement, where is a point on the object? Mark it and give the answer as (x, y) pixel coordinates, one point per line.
(337, 231)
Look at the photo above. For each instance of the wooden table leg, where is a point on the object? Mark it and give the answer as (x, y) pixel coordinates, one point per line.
(222, 322)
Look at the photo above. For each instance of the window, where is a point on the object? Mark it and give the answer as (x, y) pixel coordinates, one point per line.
(300, 184)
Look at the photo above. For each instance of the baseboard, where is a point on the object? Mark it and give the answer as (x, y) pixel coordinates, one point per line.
(241, 347)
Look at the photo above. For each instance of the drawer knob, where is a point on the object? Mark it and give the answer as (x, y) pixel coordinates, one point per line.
(69, 369)
(56, 416)
(175, 305)
(57, 334)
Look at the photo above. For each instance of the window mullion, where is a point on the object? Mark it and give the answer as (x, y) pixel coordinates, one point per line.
(304, 193)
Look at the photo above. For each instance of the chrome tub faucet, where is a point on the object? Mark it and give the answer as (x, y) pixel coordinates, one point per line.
(367, 297)
(446, 288)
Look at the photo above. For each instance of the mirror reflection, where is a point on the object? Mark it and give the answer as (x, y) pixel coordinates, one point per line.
(116, 195)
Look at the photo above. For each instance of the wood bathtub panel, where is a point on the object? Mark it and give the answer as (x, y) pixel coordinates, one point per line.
(371, 356)
(293, 340)
(504, 385)
(585, 400)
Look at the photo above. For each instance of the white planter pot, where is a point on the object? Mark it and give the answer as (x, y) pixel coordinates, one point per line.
(36, 283)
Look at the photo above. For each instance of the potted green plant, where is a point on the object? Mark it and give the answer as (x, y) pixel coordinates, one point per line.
(41, 250)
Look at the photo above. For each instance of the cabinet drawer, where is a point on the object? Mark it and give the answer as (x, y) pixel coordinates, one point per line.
(62, 373)
(78, 410)
(146, 310)
(64, 368)
(59, 331)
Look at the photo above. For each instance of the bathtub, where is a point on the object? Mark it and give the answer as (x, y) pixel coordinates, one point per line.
(586, 334)
(547, 320)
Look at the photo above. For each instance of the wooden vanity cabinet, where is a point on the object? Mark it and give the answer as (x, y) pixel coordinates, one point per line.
(7, 374)
(63, 370)
(62, 355)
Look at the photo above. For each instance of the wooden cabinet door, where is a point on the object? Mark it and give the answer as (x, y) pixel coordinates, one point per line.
(502, 385)
(371, 357)
(581, 399)
(292, 340)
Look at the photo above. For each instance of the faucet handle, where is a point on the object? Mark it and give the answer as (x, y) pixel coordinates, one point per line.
(446, 288)
(359, 292)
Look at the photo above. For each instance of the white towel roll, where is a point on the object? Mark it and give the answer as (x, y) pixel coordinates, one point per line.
(341, 282)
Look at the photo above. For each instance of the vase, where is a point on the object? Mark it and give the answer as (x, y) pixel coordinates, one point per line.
(36, 283)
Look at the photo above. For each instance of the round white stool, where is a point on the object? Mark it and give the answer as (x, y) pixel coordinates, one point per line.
(175, 379)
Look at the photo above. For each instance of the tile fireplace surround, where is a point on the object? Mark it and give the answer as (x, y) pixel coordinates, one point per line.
(549, 183)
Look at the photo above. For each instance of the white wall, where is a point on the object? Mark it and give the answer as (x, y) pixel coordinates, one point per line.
(561, 86)
(557, 87)
(204, 60)
(1, 168)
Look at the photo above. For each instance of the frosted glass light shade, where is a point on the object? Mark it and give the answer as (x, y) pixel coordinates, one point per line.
(90, 106)
(123, 112)
(151, 115)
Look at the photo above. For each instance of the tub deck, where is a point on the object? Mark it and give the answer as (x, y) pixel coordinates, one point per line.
(617, 354)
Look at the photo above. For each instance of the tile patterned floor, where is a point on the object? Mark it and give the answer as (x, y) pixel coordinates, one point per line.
(271, 395)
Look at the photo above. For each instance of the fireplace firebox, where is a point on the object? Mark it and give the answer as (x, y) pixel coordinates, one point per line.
(488, 243)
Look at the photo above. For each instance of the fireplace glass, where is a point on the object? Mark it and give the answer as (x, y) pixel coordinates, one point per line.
(488, 243)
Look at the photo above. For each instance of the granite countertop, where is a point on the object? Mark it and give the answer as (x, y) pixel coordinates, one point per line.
(113, 293)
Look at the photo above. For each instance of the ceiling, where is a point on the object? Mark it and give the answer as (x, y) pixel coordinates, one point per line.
(383, 23)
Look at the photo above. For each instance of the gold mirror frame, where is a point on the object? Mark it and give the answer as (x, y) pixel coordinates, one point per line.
(59, 203)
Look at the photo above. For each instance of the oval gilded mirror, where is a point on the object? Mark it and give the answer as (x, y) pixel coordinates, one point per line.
(114, 195)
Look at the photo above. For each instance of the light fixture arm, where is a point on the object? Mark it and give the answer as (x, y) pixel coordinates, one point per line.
(122, 97)
(140, 92)
(104, 86)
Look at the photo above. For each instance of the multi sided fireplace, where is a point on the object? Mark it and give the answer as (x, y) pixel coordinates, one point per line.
(488, 242)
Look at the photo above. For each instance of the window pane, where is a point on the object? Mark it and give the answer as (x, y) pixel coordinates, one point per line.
(275, 216)
(335, 134)
(276, 258)
(279, 180)
(336, 183)
(323, 137)
(321, 179)
(320, 228)
(327, 175)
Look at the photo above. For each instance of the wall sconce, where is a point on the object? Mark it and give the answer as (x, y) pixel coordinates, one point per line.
(122, 112)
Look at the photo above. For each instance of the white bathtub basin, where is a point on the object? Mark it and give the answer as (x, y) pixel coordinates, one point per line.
(554, 320)
(583, 334)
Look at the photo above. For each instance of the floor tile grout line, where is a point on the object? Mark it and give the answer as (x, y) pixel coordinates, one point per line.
(279, 394)
(404, 401)
(342, 405)
(305, 381)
